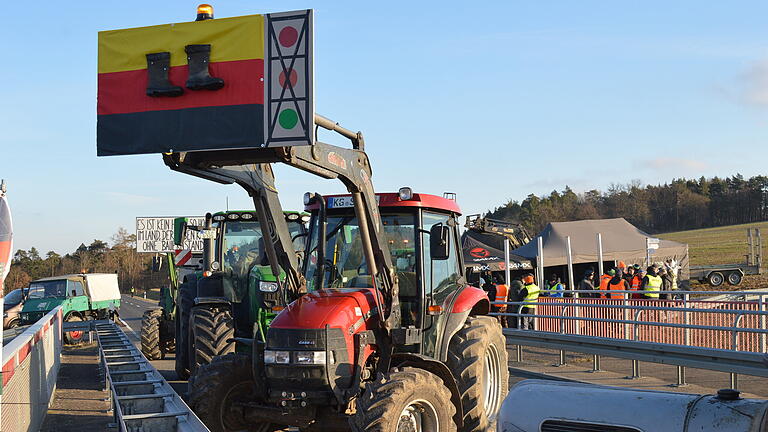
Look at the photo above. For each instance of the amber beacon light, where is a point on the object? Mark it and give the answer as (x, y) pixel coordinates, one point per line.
(204, 12)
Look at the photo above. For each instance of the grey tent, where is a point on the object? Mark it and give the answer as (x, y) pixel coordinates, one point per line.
(621, 240)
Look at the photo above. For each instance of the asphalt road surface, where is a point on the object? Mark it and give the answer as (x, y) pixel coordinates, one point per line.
(131, 310)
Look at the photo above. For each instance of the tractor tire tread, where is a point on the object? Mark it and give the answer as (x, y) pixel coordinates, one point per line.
(150, 334)
(465, 359)
(379, 407)
(212, 328)
(209, 385)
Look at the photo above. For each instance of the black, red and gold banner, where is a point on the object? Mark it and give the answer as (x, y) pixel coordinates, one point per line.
(131, 122)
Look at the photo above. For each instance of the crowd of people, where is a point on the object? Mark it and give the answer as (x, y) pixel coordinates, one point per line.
(620, 282)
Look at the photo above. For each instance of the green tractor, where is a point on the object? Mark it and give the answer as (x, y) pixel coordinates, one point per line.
(158, 329)
(237, 297)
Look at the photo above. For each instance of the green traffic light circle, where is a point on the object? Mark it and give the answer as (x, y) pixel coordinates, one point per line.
(288, 118)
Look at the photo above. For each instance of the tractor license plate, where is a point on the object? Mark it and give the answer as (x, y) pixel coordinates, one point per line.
(340, 202)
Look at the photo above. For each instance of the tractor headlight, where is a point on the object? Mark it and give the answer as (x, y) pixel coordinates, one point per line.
(311, 357)
(280, 357)
(269, 287)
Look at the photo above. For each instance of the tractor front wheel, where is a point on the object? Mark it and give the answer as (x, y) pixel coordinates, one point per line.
(407, 400)
(217, 391)
(150, 334)
(212, 331)
(477, 356)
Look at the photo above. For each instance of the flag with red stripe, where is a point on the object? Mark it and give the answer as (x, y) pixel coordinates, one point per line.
(129, 121)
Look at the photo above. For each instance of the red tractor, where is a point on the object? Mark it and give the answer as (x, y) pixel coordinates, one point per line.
(327, 362)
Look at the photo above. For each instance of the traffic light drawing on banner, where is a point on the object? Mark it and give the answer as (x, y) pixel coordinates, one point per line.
(288, 73)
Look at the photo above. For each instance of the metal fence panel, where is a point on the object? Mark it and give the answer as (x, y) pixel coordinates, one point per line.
(30, 367)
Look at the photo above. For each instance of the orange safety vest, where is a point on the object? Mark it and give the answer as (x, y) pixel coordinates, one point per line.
(501, 295)
(604, 279)
(619, 286)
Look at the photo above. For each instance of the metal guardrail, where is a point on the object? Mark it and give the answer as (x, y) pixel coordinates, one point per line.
(30, 367)
(143, 401)
(747, 363)
(679, 325)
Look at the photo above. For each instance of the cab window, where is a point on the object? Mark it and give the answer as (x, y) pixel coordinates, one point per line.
(440, 276)
(75, 289)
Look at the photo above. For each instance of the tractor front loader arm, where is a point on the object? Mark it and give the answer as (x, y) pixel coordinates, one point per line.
(259, 181)
(250, 169)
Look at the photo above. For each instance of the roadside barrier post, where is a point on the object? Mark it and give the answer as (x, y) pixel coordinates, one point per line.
(596, 363)
(680, 377)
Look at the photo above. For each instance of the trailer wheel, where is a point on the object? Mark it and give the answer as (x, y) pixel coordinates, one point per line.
(477, 356)
(212, 328)
(73, 337)
(734, 278)
(150, 334)
(185, 301)
(715, 279)
(407, 400)
(216, 389)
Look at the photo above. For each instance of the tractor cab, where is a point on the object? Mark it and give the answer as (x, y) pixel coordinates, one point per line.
(241, 271)
(426, 279)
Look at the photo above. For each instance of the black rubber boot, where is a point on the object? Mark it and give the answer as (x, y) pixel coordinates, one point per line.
(158, 84)
(198, 57)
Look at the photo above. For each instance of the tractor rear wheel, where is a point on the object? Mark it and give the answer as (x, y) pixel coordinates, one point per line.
(217, 389)
(408, 400)
(477, 356)
(150, 334)
(212, 329)
(76, 336)
(185, 301)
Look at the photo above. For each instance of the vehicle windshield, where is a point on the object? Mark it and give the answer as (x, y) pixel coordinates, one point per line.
(12, 299)
(243, 245)
(345, 266)
(54, 288)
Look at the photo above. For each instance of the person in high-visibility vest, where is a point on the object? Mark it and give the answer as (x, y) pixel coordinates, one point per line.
(651, 284)
(617, 283)
(554, 288)
(530, 294)
(637, 283)
(604, 279)
(501, 296)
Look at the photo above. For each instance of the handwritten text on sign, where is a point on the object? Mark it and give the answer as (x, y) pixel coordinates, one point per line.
(155, 234)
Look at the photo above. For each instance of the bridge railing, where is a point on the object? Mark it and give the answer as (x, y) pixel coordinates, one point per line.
(30, 367)
(683, 319)
(736, 322)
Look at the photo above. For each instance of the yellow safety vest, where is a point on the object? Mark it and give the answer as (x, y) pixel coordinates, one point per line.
(532, 297)
(653, 287)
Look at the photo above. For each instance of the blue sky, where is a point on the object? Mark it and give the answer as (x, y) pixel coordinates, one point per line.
(491, 100)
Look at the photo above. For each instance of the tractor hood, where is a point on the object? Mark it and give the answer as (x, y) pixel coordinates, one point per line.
(347, 309)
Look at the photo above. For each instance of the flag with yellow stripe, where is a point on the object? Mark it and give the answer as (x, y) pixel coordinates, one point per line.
(138, 115)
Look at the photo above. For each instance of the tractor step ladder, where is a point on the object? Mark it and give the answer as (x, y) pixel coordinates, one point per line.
(142, 400)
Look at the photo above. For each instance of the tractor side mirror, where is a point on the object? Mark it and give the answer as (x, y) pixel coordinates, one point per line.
(179, 231)
(439, 242)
